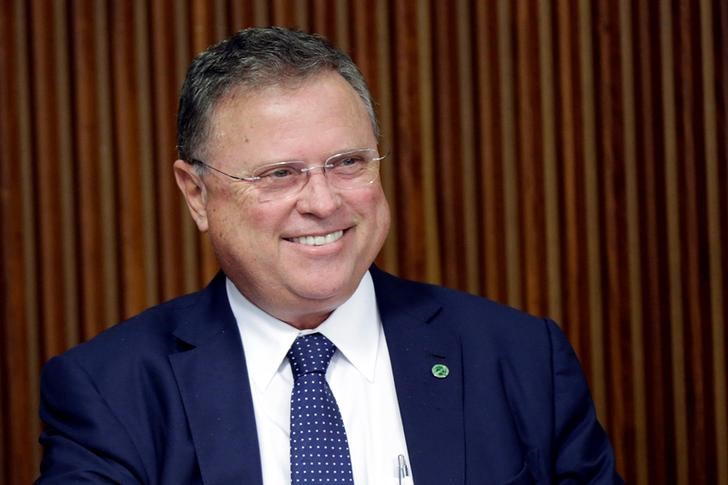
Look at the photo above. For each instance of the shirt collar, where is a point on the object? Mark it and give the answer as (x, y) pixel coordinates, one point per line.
(353, 327)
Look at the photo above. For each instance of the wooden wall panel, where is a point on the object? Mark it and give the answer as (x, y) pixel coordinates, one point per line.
(568, 157)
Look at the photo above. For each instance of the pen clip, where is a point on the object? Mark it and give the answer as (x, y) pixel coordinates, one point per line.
(402, 469)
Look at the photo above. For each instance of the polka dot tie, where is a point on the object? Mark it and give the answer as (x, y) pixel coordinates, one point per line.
(319, 450)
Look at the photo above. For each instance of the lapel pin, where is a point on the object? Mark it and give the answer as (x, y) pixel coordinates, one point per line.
(440, 371)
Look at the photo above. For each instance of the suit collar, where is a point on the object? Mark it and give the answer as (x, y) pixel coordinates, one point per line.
(215, 389)
(206, 315)
(431, 407)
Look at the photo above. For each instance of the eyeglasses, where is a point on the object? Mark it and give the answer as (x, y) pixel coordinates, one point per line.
(348, 170)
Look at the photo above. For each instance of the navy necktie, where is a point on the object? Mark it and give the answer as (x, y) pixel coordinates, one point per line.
(319, 449)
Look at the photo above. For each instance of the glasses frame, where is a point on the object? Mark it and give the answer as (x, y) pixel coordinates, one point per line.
(305, 170)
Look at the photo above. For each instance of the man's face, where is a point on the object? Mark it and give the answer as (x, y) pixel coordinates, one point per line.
(261, 245)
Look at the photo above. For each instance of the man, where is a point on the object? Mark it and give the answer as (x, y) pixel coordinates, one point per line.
(418, 384)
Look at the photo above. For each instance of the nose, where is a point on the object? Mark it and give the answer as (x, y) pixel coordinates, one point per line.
(318, 197)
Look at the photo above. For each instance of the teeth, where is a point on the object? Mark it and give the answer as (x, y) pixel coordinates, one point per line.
(318, 240)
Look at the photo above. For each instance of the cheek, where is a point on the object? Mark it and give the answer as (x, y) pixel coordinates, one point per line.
(384, 216)
(260, 223)
(377, 205)
(256, 227)
(239, 216)
(368, 200)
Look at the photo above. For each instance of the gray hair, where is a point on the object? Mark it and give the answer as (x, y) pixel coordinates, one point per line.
(252, 59)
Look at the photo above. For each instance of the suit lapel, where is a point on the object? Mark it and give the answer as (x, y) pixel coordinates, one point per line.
(215, 390)
(431, 407)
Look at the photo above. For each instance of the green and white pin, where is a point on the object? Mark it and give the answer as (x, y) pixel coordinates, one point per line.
(440, 371)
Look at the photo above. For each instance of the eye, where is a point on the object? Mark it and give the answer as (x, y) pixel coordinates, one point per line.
(279, 172)
(348, 163)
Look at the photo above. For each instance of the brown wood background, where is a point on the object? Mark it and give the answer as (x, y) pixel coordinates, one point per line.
(568, 157)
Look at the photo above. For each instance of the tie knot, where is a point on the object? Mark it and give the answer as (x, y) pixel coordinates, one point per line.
(310, 354)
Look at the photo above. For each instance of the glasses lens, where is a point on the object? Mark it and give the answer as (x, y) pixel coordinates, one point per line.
(280, 180)
(349, 170)
(353, 169)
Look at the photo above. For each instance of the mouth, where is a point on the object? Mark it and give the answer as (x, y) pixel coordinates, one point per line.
(317, 240)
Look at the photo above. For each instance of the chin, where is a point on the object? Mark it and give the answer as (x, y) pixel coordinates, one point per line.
(322, 295)
(326, 289)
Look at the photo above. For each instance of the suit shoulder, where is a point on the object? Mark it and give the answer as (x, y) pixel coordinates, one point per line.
(148, 332)
(470, 316)
(458, 301)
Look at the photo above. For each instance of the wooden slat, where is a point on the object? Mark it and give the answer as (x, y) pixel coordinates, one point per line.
(490, 242)
(613, 250)
(715, 256)
(147, 174)
(408, 151)
(591, 203)
(164, 99)
(183, 55)
(468, 197)
(551, 172)
(382, 86)
(46, 187)
(110, 262)
(323, 20)
(241, 15)
(506, 82)
(6, 234)
(689, 169)
(529, 167)
(661, 463)
(127, 175)
(19, 409)
(18, 348)
(445, 182)
(86, 131)
(64, 158)
(426, 152)
(672, 201)
(638, 458)
(220, 27)
(570, 188)
(283, 13)
(202, 22)
(261, 14)
(302, 20)
(342, 24)
(489, 143)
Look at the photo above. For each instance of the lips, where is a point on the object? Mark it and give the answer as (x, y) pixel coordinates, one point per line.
(317, 240)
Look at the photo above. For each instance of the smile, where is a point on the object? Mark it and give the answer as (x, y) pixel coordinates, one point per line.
(318, 240)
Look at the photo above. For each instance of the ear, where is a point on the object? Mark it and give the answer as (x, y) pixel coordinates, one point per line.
(194, 191)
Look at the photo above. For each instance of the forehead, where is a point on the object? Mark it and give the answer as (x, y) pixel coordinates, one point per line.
(300, 90)
(288, 120)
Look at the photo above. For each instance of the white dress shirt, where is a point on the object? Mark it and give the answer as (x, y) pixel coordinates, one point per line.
(360, 377)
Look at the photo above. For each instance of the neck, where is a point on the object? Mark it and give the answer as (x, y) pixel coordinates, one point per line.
(307, 322)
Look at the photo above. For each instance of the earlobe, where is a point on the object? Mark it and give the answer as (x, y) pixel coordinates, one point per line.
(194, 191)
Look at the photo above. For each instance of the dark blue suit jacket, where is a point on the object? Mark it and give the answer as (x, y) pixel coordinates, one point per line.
(163, 398)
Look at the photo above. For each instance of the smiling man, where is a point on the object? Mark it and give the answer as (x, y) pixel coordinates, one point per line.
(301, 363)
(296, 248)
